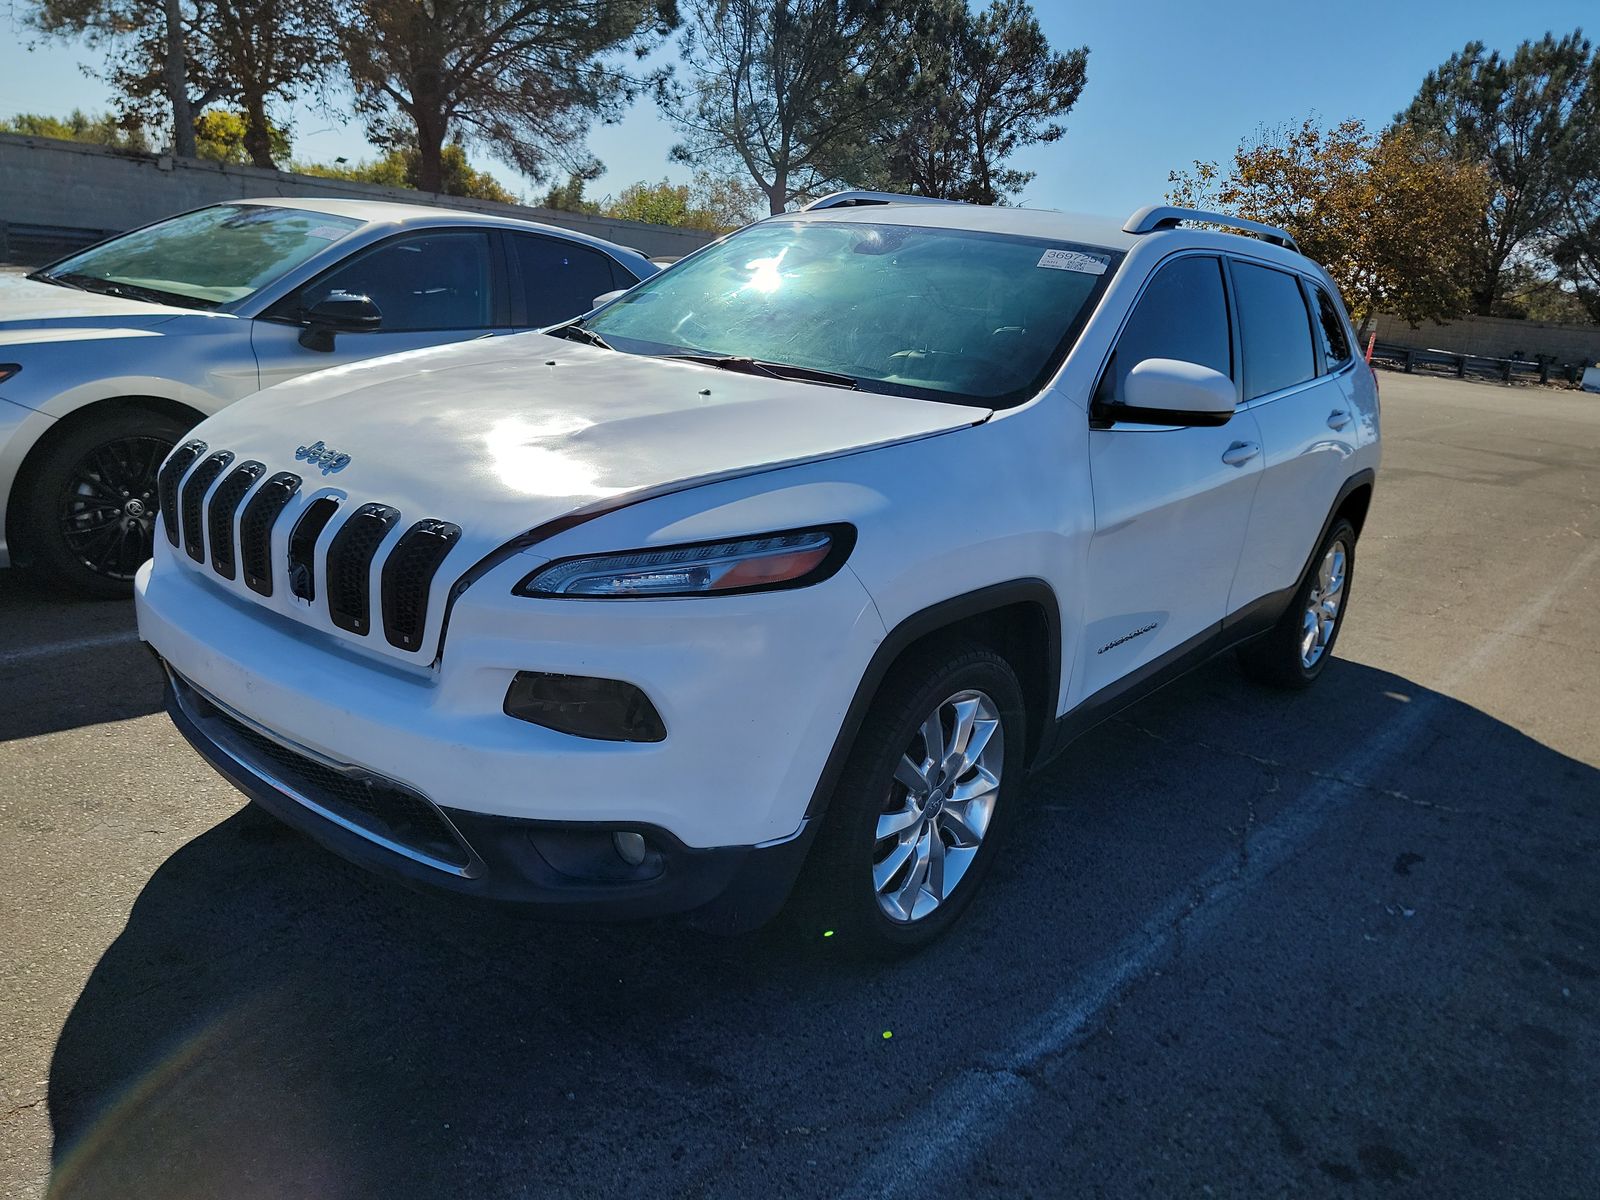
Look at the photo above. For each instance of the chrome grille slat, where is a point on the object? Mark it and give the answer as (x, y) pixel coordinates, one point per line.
(219, 517)
(194, 494)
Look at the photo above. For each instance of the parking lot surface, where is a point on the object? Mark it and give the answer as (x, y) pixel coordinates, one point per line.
(1342, 942)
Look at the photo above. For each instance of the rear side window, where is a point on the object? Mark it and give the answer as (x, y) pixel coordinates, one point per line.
(1275, 329)
(1183, 314)
(1330, 326)
(561, 279)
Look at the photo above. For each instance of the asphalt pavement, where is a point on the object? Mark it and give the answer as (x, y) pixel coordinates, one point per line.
(1242, 943)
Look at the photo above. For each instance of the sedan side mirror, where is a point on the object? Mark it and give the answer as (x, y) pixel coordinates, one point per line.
(1166, 391)
(338, 312)
(608, 297)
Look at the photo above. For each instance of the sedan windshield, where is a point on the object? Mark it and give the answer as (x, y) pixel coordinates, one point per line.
(203, 259)
(947, 314)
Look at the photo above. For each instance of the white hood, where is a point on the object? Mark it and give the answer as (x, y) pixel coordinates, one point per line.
(503, 434)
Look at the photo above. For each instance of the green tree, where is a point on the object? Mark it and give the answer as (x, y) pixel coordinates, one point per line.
(709, 202)
(223, 136)
(1528, 120)
(984, 85)
(78, 126)
(521, 78)
(791, 93)
(170, 60)
(568, 196)
(1392, 217)
(402, 168)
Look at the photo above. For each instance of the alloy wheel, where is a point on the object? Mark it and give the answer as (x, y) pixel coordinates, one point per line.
(108, 505)
(940, 804)
(1321, 617)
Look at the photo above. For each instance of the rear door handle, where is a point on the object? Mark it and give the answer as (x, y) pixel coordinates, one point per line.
(1240, 453)
(1338, 419)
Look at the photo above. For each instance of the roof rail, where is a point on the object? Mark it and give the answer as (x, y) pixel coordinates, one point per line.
(1162, 216)
(847, 199)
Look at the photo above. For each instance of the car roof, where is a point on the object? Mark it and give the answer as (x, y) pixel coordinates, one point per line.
(397, 212)
(1021, 222)
(1082, 228)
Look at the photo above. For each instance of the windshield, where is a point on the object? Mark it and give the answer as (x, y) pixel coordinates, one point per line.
(948, 314)
(203, 259)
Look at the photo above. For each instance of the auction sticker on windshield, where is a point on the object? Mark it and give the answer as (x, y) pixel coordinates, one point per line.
(1074, 260)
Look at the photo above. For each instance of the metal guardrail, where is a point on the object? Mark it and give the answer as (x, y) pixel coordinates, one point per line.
(1413, 359)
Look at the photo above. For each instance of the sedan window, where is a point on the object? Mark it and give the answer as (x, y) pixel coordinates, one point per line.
(425, 282)
(561, 279)
(206, 258)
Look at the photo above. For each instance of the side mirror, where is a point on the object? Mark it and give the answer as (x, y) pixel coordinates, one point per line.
(608, 297)
(338, 312)
(1166, 391)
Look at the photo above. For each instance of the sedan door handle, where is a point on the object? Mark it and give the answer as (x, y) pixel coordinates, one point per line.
(1338, 419)
(1240, 453)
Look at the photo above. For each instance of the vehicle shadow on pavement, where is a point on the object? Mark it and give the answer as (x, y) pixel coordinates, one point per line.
(273, 1022)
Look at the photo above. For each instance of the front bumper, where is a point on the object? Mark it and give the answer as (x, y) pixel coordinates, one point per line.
(393, 830)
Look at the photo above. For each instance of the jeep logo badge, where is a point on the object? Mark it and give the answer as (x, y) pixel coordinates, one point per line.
(319, 455)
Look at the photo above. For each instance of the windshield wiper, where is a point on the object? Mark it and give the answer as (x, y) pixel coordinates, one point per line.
(128, 291)
(58, 280)
(578, 333)
(772, 370)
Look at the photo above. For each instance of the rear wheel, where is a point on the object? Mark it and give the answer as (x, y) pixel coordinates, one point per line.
(90, 506)
(1297, 650)
(915, 822)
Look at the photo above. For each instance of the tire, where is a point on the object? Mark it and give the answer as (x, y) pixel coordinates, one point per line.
(89, 507)
(840, 890)
(1293, 655)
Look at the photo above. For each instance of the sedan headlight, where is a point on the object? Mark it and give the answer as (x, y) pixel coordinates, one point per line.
(7, 370)
(755, 564)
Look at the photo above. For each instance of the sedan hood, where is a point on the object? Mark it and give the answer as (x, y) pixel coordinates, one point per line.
(29, 305)
(503, 434)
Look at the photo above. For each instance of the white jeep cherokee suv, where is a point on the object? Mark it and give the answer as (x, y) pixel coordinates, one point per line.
(785, 568)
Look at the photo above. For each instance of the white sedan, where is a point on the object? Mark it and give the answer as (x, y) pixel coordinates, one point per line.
(109, 356)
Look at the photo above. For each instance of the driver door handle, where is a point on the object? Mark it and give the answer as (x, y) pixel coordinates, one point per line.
(1338, 419)
(1240, 453)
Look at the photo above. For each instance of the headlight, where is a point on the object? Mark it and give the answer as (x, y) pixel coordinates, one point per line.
(7, 370)
(756, 564)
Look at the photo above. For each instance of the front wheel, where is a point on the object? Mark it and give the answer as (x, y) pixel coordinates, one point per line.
(90, 507)
(1298, 648)
(928, 789)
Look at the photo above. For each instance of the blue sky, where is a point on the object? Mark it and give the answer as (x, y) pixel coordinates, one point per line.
(1169, 82)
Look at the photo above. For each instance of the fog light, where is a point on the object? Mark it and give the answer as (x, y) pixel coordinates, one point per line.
(605, 709)
(630, 846)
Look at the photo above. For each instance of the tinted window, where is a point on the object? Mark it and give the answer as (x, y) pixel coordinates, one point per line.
(561, 279)
(1274, 328)
(1330, 326)
(1183, 314)
(437, 281)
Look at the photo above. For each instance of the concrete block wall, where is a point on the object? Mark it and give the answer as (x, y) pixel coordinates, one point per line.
(1498, 337)
(71, 185)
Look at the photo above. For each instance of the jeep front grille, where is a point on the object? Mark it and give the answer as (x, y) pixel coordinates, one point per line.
(167, 484)
(219, 520)
(350, 565)
(262, 502)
